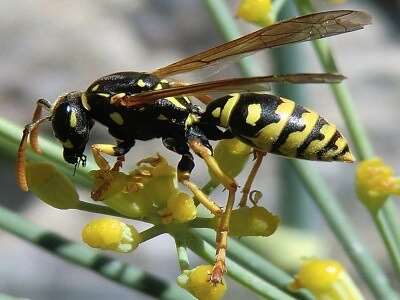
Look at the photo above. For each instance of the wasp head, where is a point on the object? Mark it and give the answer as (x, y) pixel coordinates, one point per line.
(71, 125)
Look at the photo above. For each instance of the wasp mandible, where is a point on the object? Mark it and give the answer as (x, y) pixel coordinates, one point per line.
(142, 106)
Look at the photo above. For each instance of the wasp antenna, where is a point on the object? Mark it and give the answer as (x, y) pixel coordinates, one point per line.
(21, 174)
(34, 133)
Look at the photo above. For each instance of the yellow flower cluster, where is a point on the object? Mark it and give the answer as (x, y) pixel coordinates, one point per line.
(110, 234)
(197, 282)
(327, 280)
(252, 221)
(375, 181)
(255, 11)
(150, 191)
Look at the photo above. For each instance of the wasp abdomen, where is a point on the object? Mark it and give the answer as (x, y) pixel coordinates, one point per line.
(280, 126)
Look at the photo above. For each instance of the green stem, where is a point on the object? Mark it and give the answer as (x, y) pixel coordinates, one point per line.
(100, 209)
(277, 5)
(80, 255)
(152, 232)
(340, 225)
(384, 230)
(181, 250)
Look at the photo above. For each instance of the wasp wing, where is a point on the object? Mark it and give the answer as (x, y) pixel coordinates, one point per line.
(228, 85)
(300, 29)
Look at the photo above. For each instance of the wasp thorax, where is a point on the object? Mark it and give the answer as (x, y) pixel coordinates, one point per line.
(71, 125)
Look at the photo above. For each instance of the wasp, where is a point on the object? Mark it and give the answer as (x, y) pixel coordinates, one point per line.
(142, 106)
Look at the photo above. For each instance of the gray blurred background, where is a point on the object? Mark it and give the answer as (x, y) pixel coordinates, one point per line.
(50, 47)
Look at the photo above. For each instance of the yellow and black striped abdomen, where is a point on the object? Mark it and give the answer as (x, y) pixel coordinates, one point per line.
(280, 126)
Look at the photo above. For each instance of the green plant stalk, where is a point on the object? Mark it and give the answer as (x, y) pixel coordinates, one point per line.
(240, 273)
(181, 251)
(80, 255)
(377, 282)
(277, 5)
(381, 224)
(152, 232)
(340, 225)
(390, 231)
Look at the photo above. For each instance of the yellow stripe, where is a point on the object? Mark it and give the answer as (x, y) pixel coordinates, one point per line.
(340, 143)
(216, 112)
(295, 139)
(72, 120)
(84, 100)
(175, 102)
(117, 118)
(253, 114)
(141, 83)
(227, 109)
(267, 136)
(328, 130)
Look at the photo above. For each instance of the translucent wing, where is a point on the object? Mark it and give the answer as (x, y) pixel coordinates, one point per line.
(228, 85)
(300, 29)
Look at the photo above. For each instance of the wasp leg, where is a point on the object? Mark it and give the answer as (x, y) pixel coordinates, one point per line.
(199, 144)
(185, 167)
(259, 155)
(114, 150)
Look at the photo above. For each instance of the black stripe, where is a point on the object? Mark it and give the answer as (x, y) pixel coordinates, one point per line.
(345, 149)
(315, 134)
(295, 123)
(330, 146)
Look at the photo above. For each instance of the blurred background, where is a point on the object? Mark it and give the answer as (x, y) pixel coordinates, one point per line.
(51, 47)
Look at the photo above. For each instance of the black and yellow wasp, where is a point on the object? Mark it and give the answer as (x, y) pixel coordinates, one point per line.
(142, 106)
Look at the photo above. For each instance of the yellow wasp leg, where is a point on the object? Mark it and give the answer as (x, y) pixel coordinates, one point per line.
(97, 150)
(223, 228)
(259, 155)
(183, 177)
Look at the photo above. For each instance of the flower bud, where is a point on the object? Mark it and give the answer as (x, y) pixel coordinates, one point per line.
(255, 11)
(110, 234)
(51, 186)
(375, 181)
(231, 156)
(197, 282)
(182, 207)
(252, 221)
(327, 280)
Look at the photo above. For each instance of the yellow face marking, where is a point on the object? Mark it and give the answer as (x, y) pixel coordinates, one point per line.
(158, 87)
(72, 120)
(95, 88)
(141, 83)
(227, 109)
(340, 143)
(295, 139)
(216, 113)
(67, 144)
(175, 102)
(267, 136)
(164, 81)
(105, 95)
(328, 130)
(162, 117)
(117, 118)
(85, 101)
(253, 114)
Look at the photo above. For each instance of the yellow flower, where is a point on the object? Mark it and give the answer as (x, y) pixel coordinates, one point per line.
(255, 11)
(197, 282)
(51, 186)
(375, 181)
(182, 208)
(231, 155)
(251, 221)
(144, 192)
(110, 234)
(327, 280)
